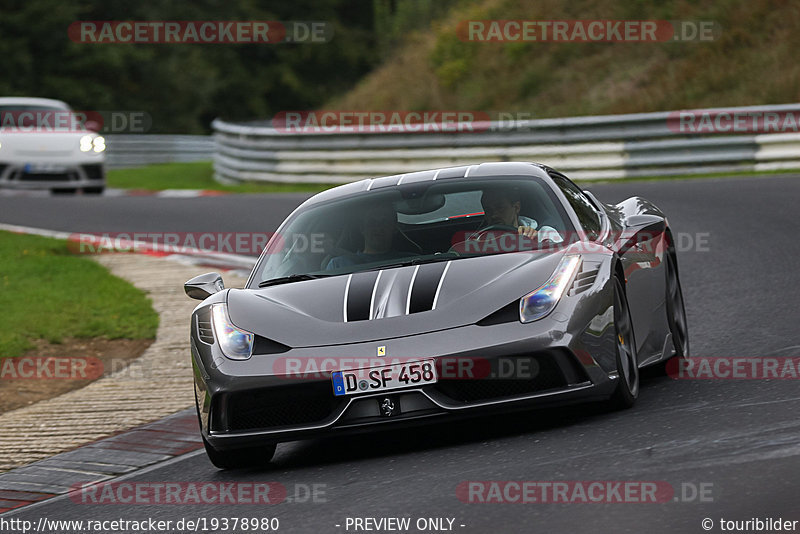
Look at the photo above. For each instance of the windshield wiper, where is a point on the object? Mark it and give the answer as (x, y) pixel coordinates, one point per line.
(290, 278)
(416, 261)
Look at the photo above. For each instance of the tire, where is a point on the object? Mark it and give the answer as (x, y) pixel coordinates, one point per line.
(240, 458)
(68, 191)
(93, 190)
(627, 359)
(676, 311)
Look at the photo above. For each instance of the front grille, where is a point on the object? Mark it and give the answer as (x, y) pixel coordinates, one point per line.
(282, 406)
(548, 376)
(93, 171)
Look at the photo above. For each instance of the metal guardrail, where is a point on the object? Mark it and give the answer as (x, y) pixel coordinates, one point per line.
(596, 147)
(130, 150)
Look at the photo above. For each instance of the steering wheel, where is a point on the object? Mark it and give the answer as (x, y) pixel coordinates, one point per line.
(481, 233)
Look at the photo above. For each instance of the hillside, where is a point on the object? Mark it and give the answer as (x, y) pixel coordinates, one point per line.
(753, 60)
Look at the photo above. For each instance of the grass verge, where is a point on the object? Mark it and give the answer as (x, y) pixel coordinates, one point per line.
(731, 174)
(195, 175)
(200, 175)
(48, 293)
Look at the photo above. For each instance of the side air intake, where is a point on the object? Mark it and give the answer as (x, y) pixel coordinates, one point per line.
(585, 278)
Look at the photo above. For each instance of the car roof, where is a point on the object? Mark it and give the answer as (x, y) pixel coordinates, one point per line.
(463, 172)
(31, 101)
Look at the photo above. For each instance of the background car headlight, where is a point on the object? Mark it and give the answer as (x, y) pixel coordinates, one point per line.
(90, 143)
(236, 344)
(541, 301)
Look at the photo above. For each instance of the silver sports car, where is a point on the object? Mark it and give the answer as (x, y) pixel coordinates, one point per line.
(433, 295)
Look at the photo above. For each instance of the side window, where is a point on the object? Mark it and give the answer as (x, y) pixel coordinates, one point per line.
(584, 209)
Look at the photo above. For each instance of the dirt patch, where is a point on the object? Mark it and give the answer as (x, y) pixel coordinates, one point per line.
(50, 369)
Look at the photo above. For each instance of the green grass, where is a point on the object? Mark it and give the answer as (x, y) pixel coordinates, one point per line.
(548, 79)
(731, 174)
(48, 293)
(200, 176)
(195, 175)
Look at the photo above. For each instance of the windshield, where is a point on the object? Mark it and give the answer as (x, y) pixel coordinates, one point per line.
(415, 223)
(35, 117)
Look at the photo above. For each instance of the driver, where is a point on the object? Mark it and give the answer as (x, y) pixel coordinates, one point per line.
(501, 207)
(378, 227)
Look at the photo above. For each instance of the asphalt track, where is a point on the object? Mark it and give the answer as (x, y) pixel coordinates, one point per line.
(739, 440)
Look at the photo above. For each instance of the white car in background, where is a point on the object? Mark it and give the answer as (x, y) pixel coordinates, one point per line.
(44, 145)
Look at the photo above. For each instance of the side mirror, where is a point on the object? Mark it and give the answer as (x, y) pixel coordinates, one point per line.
(648, 222)
(203, 286)
(640, 230)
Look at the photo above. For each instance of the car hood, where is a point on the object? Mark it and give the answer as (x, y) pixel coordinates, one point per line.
(396, 302)
(40, 144)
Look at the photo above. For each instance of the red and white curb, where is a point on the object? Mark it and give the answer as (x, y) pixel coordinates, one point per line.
(166, 193)
(108, 458)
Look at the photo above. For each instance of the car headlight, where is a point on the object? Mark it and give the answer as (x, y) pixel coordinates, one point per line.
(541, 301)
(93, 143)
(236, 344)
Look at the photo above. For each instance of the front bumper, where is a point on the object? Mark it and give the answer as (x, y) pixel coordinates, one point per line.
(249, 402)
(57, 176)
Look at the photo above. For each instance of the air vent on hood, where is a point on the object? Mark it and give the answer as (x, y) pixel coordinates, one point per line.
(263, 345)
(506, 314)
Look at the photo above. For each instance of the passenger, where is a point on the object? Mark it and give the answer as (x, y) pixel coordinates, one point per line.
(379, 227)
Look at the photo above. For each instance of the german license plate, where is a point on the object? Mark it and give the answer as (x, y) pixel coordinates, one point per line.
(376, 379)
(44, 168)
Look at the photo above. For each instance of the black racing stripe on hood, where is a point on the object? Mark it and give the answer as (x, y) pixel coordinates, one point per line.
(360, 295)
(425, 284)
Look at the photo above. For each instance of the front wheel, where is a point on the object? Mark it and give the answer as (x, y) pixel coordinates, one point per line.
(676, 312)
(240, 458)
(627, 360)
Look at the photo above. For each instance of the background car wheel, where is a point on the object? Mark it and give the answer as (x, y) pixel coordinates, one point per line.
(676, 312)
(68, 191)
(240, 458)
(93, 190)
(627, 361)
